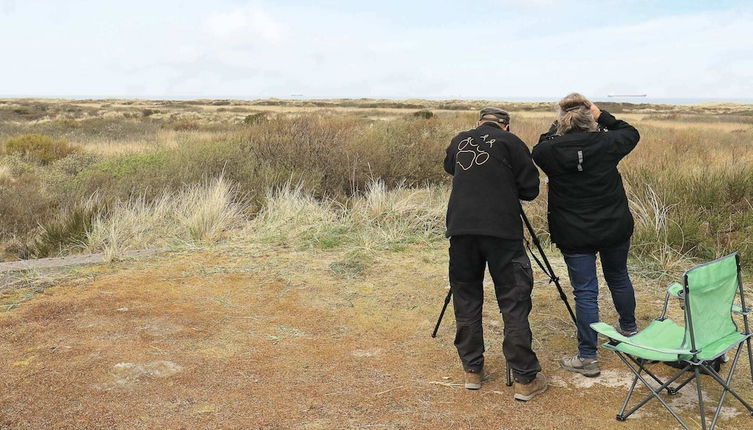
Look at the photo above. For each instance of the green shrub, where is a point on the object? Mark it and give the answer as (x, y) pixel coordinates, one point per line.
(424, 114)
(39, 148)
(126, 166)
(124, 176)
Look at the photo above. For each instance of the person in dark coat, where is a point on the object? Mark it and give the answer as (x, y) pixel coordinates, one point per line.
(588, 214)
(492, 169)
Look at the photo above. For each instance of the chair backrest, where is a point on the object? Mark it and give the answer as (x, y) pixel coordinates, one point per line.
(710, 290)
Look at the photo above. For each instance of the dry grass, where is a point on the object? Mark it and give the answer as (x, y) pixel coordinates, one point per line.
(399, 215)
(289, 214)
(379, 219)
(198, 214)
(6, 174)
(267, 336)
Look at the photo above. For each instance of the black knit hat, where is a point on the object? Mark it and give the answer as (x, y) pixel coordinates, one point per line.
(500, 116)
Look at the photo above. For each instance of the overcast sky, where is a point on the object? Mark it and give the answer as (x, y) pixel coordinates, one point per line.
(386, 48)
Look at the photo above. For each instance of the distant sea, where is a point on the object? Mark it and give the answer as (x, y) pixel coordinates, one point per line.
(636, 100)
(652, 100)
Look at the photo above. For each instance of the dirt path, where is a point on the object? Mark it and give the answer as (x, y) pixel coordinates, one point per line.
(271, 337)
(73, 260)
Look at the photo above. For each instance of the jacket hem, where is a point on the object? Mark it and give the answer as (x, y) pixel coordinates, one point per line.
(483, 233)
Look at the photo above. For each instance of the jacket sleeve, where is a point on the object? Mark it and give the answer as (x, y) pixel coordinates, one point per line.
(449, 158)
(551, 132)
(623, 137)
(540, 148)
(539, 155)
(525, 172)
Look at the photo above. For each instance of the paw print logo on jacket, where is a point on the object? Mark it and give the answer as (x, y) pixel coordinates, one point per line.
(469, 154)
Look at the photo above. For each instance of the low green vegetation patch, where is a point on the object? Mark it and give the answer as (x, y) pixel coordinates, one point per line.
(352, 265)
(39, 148)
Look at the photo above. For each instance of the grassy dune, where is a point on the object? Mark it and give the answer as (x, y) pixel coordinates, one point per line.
(139, 166)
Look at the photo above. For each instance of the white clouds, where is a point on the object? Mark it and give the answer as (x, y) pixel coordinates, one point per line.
(262, 49)
(693, 55)
(248, 23)
(8, 6)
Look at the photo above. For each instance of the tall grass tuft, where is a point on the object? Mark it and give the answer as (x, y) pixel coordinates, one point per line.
(377, 219)
(68, 232)
(654, 239)
(199, 214)
(291, 214)
(209, 212)
(398, 215)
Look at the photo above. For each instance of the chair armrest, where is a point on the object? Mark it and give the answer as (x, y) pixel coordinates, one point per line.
(738, 309)
(610, 332)
(676, 290)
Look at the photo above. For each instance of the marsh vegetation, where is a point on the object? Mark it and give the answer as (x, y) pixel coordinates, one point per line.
(80, 176)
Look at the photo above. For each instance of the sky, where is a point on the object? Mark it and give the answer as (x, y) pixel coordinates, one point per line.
(389, 48)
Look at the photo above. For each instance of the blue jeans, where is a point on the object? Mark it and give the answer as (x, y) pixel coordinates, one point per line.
(582, 271)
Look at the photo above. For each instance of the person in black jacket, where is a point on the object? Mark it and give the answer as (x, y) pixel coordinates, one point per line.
(588, 214)
(492, 168)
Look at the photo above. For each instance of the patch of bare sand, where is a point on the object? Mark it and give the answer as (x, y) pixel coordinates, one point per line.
(272, 338)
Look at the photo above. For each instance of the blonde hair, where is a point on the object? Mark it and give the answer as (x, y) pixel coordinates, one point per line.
(575, 114)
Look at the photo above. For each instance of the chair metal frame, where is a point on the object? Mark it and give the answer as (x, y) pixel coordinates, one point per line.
(638, 366)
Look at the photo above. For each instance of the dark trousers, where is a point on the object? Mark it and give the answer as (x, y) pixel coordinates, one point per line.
(513, 283)
(582, 271)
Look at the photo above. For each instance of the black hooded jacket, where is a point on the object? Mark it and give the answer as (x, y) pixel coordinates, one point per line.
(588, 208)
(491, 170)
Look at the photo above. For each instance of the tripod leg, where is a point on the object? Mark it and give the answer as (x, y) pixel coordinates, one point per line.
(546, 267)
(441, 314)
(508, 373)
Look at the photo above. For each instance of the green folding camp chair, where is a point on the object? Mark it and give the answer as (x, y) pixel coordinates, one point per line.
(708, 296)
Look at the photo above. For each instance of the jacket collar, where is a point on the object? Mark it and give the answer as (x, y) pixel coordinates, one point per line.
(491, 124)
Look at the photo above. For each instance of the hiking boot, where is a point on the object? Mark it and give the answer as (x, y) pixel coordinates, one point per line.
(473, 379)
(525, 392)
(585, 366)
(626, 333)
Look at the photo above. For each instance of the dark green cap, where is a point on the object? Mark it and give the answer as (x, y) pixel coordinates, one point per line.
(500, 116)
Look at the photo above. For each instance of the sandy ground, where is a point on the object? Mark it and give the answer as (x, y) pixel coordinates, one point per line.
(271, 337)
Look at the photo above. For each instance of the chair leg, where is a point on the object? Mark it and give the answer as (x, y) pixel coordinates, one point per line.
(726, 386)
(674, 390)
(662, 386)
(750, 359)
(640, 362)
(627, 398)
(654, 394)
(721, 381)
(700, 397)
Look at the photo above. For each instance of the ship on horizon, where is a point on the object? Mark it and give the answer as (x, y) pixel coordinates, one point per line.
(626, 95)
